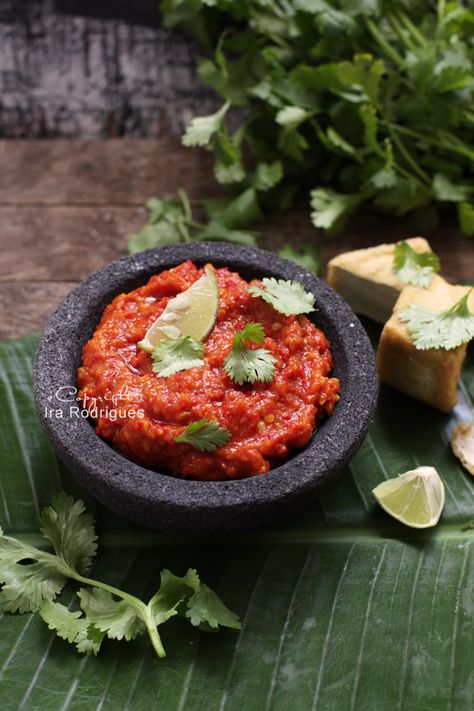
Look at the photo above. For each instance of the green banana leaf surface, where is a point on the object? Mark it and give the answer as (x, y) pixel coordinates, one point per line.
(341, 608)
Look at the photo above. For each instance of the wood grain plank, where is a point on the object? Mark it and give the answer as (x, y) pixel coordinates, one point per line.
(63, 243)
(100, 172)
(26, 306)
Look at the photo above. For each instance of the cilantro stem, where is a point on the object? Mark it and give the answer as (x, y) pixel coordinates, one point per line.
(143, 610)
(412, 28)
(185, 203)
(104, 586)
(153, 631)
(408, 157)
(185, 236)
(441, 7)
(392, 53)
(401, 32)
(455, 148)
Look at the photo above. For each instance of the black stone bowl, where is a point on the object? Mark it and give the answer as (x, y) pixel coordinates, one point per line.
(193, 507)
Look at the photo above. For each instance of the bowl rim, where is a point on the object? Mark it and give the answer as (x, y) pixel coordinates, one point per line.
(97, 465)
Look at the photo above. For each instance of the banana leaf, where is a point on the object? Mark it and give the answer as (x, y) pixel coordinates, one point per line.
(342, 608)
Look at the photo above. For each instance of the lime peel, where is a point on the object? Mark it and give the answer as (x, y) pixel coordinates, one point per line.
(415, 498)
(191, 313)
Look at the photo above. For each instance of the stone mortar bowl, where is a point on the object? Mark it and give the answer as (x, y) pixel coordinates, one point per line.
(182, 506)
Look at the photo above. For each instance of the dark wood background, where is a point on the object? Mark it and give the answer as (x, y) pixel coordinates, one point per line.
(80, 72)
(94, 69)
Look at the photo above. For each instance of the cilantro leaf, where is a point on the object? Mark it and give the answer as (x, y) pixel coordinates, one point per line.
(445, 190)
(173, 592)
(72, 627)
(292, 144)
(333, 140)
(292, 116)
(251, 332)
(415, 268)
(28, 576)
(204, 435)
(171, 356)
(228, 167)
(202, 128)
(331, 209)
(217, 230)
(307, 257)
(26, 586)
(287, 297)
(401, 195)
(235, 212)
(248, 365)
(71, 531)
(89, 642)
(154, 235)
(227, 173)
(267, 175)
(439, 329)
(118, 619)
(363, 76)
(207, 611)
(191, 599)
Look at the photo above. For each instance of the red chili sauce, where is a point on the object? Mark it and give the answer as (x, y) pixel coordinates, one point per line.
(266, 420)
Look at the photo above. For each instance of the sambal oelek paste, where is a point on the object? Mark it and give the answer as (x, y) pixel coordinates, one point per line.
(141, 413)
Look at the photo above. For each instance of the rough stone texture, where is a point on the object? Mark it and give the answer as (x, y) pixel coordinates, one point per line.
(193, 507)
(95, 68)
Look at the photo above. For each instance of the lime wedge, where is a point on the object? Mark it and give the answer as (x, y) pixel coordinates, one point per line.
(191, 313)
(415, 498)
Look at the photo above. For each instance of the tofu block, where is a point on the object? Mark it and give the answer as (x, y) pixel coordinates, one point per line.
(430, 375)
(364, 278)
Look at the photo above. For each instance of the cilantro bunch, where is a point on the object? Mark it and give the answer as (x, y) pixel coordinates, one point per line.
(355, 104)
(32, 578)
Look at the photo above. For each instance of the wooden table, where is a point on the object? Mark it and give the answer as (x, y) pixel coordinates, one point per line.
(68, 206)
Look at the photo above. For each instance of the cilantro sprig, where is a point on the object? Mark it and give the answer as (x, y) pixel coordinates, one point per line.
(204, 435)
(32, 578)
(287, 297)
(248, 365)
(171, 356)
(417, 268)
(439, 329)
(171, 221)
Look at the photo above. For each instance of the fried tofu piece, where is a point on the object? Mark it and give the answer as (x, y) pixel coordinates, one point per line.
(365, 278)
(427, 375)
(462, 444)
